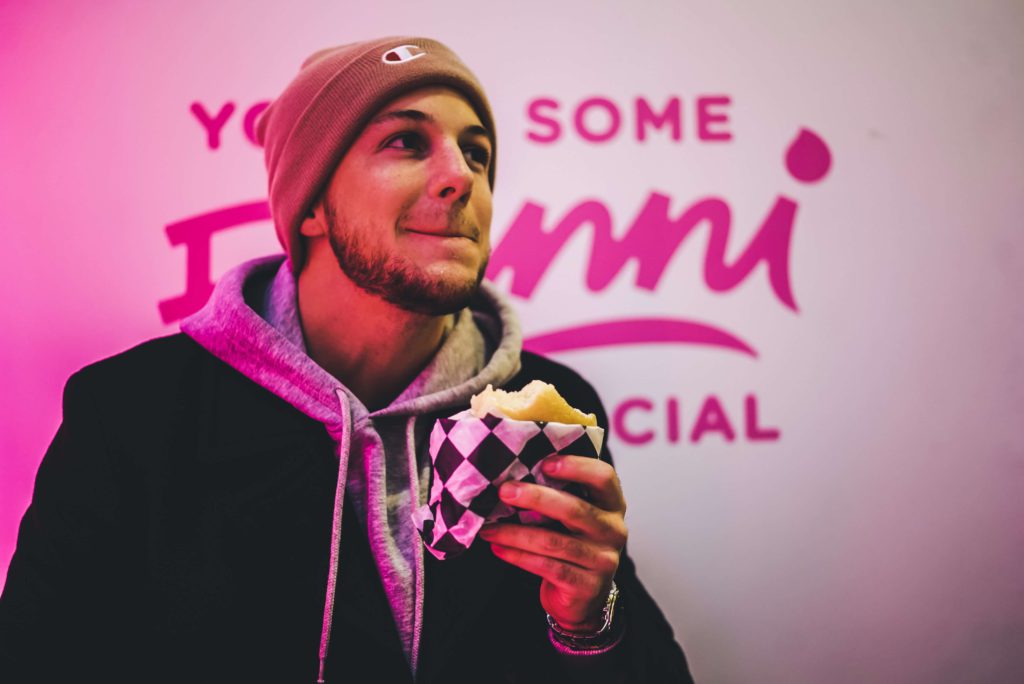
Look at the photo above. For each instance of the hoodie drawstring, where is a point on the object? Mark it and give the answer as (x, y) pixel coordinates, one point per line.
(339, 502)
(414, 489)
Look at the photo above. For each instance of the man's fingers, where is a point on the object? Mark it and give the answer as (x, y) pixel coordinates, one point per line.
(573, 512)
(571, 579)
(599, 478)
(553, 544)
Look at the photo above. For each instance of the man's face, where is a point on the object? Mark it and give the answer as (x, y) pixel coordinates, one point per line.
(408, 210)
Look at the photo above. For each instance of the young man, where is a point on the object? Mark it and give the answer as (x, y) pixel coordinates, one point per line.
(234, 503)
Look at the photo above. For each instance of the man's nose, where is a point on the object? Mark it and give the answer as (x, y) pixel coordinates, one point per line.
(451, 179)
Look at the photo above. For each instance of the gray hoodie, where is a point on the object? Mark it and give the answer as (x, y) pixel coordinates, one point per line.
(251, 323)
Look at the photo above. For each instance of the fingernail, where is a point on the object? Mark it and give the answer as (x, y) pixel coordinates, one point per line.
(510, 490)
(551, 465)
(486, 533)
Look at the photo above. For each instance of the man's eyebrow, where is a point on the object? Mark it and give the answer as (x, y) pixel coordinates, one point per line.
(420, 117)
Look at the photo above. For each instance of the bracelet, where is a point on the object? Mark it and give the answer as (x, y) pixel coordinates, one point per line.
(599, 640)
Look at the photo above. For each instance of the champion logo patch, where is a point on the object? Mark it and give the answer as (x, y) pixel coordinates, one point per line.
(402, 54)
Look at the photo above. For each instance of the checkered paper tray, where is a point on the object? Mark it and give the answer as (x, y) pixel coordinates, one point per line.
(473, 456)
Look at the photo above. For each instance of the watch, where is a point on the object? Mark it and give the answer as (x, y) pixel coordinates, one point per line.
(600, 639)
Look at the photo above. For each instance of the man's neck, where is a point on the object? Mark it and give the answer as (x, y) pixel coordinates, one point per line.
(372, 346)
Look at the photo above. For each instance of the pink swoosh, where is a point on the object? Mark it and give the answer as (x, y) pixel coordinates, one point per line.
(635, 331)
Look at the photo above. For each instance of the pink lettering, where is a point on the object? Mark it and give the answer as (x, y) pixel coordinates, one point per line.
(756, 433)
(213, 125)
(670, 115)
(625, 331)
(528, 248)
(613, 113)
(672, 419)
(249, 123)
(706, 117)
(196, 234)
(619, 421)
(709, 116)
(535, 113)
(712, 418)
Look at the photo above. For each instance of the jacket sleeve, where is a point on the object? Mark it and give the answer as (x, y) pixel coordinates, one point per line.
(58, 611)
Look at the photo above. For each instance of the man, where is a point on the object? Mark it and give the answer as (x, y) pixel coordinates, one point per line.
(234, 503)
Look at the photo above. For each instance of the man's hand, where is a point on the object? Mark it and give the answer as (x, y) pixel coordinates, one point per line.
(577, 568)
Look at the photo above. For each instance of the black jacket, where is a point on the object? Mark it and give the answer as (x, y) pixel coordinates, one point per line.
(179, 531)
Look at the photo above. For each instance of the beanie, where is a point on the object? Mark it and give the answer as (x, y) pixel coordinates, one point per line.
(307, 130)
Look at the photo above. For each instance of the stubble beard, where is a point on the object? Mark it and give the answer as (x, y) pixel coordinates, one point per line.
(393, 279)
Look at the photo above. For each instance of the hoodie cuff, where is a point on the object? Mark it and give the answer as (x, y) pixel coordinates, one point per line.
(606, 665)
(567, 650)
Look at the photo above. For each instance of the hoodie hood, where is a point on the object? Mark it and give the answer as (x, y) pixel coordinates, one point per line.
(231, 327)
(252, 323)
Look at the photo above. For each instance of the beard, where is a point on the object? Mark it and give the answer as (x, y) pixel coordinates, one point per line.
(394, 279)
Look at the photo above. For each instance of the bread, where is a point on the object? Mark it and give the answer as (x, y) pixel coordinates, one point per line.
(537, 401)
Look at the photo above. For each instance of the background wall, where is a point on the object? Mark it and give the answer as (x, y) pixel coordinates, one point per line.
(865, 525)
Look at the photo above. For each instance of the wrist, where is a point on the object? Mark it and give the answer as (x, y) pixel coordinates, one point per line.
(588, 627)
(594, 635)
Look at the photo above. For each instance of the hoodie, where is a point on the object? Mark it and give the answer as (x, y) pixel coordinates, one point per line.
(251, 322)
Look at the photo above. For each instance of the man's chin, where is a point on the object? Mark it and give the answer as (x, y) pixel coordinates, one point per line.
(434, 298)
(433, 289)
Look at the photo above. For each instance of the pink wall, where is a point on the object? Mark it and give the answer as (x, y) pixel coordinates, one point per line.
(820, 445)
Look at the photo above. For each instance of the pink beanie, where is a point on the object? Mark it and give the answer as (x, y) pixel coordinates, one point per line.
(307, 130)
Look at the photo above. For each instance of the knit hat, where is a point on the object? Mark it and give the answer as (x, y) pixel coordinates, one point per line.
(307, 130)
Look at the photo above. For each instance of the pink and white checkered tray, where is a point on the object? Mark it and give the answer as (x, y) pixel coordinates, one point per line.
(473, 456)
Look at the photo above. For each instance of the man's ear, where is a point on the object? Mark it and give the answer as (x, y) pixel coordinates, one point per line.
(314, 224)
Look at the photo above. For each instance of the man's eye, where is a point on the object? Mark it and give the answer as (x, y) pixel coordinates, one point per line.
(479, 155)
(410, 141)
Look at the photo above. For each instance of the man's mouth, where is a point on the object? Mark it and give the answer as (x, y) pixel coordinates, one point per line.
(443, 232)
